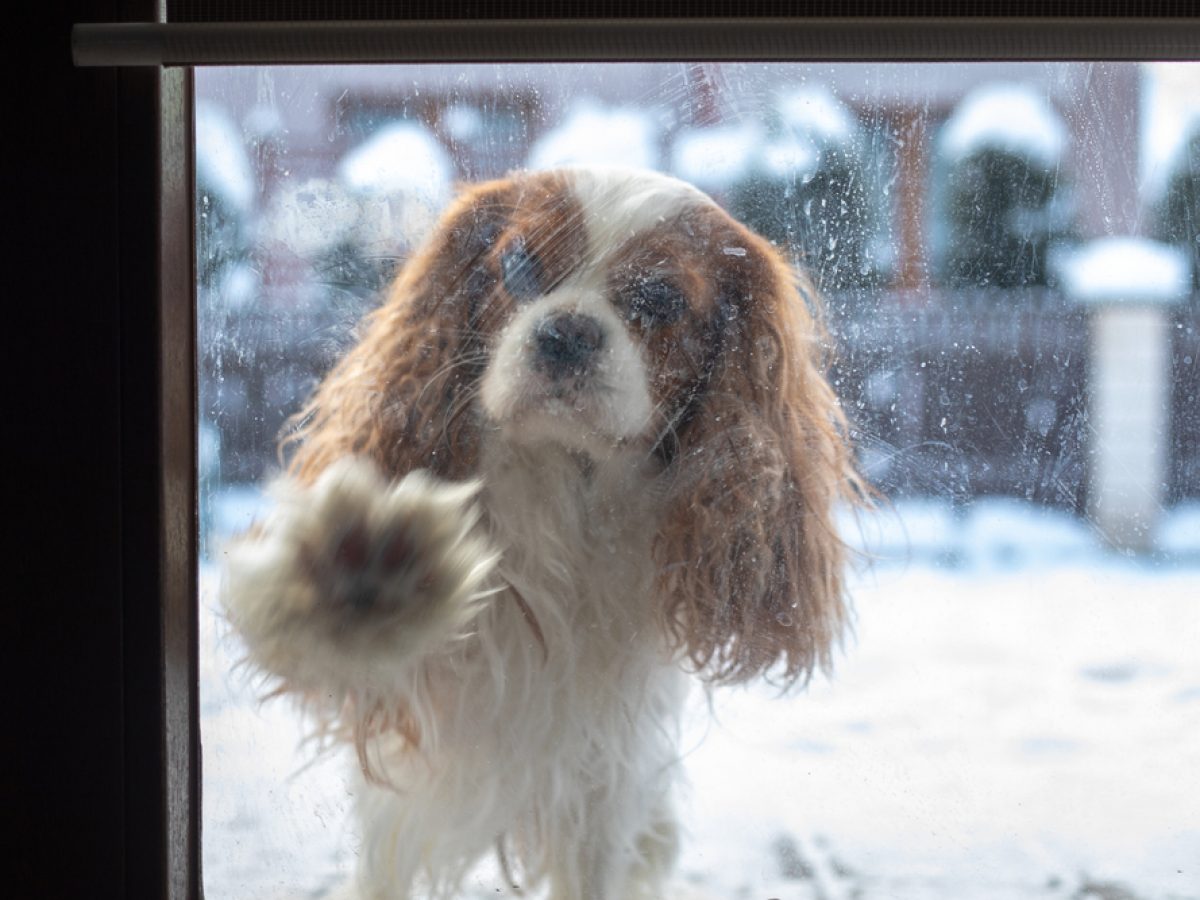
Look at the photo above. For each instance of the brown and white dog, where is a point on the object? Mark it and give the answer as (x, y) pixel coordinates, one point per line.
(584, 449)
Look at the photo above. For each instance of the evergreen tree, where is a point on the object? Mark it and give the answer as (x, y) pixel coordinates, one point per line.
(1003, 210)
(1178, 213)
(821, 215)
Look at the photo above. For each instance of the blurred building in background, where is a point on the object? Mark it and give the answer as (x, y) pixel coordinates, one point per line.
(946, 213)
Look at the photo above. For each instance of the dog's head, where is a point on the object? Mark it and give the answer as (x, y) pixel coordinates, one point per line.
(623, 315)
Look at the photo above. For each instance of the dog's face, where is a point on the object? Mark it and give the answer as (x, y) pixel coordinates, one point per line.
(605, 310)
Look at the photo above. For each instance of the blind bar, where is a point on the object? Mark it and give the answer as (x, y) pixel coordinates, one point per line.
(700, 40)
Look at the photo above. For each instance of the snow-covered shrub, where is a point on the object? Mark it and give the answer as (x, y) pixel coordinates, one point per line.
(1003, 200)
(805, 188)
(351, 231)
(397, 182)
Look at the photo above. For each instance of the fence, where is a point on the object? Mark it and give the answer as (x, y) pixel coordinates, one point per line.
(967, 394)
(952, 394)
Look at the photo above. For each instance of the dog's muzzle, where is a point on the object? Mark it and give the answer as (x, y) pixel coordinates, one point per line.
(566, 345)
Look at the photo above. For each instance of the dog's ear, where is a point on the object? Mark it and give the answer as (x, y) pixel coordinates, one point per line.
(750, 562)
(402, 396)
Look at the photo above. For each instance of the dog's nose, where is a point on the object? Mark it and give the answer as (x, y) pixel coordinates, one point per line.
(566, 343)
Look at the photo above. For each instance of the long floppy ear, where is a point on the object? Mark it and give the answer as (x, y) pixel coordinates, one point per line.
(750, 562)
(403, 396)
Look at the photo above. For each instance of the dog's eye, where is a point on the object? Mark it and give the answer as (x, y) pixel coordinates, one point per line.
(522, 272)
(653, 302)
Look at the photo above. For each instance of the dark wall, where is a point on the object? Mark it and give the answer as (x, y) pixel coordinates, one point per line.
(64, 775)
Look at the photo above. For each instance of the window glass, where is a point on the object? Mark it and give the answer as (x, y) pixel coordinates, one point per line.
(1008, 258)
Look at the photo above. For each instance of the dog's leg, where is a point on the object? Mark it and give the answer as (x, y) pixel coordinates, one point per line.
(658, 849)
(624, 852)
(352, 580)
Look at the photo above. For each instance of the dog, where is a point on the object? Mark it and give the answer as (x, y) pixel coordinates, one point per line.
(582, 455)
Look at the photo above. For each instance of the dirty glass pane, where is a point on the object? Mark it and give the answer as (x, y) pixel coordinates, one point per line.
(1007, 257)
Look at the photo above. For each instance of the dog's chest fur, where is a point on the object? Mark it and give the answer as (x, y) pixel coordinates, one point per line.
(577, 541)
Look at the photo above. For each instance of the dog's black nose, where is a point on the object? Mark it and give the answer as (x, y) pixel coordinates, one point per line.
(566, 343)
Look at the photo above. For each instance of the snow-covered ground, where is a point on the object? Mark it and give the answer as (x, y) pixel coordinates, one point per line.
(1017, 715)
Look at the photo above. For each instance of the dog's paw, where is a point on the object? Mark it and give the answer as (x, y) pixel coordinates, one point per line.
(354, 577)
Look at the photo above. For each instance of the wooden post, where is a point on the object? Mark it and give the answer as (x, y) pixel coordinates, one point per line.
(912, 163)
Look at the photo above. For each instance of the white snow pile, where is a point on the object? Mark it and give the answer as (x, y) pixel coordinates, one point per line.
(1180, 533)
(813, 122)
(789, 157)
(264, 122)
(401, 158)
(815, 114)
(1114, 269)
(388, 193)
(222, 164)
(715, 158)
(804, 124)
(462, 121)
(1013, 117)
(236, 287)
(1170, 117)
(990, 533)
(591, 134)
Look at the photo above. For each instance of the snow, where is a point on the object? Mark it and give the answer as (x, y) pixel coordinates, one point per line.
(222, 163)
(594, 135)
(811, 120)
(997, 533)
(1019, 719)
(789, 157)
(983, 737)
(462, 122)
(388, 197)
(714, 158)
(814, 113)
(265, 122)
(402, 158)
(236, 288)
(1124, 268)
(1179, 535)
(1005, 116)
(1170, 117)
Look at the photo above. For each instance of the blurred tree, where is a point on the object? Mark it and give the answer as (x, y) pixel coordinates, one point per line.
(806, 189)
(220, 235)
(1177, 217)
(821, 215)
(998, 178)
(1003, 211)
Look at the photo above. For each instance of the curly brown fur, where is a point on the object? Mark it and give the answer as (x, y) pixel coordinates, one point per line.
(750, 561)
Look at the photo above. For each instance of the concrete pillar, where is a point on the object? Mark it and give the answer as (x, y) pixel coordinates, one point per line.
(1130, 286)
(1129, 387)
